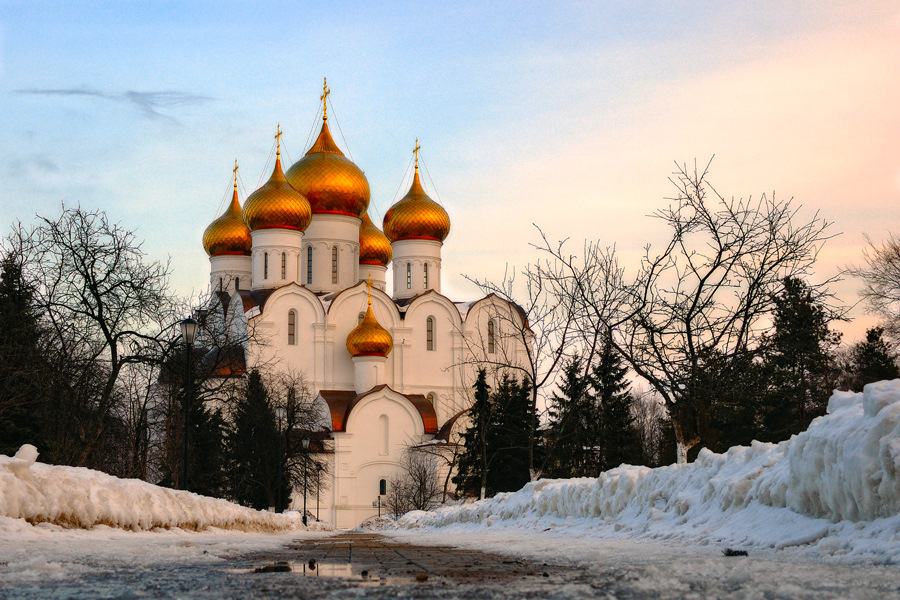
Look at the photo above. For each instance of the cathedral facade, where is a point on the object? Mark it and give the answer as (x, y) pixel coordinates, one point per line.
(302, 265)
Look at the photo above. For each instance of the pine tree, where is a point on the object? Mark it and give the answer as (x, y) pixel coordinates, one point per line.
(512, 402)
(617, 439)
(799, 363)
(574, 428)
(253, 447)
(471, 476)
(21, 380)
(207, 452)
(872, 360)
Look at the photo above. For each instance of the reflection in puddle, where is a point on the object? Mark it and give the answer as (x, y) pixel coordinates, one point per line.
(357, 573)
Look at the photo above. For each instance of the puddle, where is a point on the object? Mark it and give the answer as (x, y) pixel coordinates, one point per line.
(356, 573)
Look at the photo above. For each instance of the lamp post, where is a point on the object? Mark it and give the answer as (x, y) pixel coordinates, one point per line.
(318, 474)
(279, 420)
(305, 442)
(188, 333)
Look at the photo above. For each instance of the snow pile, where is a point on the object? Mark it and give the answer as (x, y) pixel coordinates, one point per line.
(833, 489)
(77, 497)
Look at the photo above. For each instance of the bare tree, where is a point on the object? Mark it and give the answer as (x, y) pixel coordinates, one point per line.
(707, 292)
(417, 486)
(881, 281)
(104, 304)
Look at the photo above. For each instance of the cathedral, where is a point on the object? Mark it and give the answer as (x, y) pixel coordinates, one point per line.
(304, 268)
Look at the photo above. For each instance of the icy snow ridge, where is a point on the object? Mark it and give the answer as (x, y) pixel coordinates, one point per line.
(77, 497)
(837, 480)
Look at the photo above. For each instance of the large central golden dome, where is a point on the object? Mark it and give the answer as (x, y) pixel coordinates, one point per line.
(228, 234)
(374, 247)
(416, 216)
(329, 180)
(369, 338)
(277, 205)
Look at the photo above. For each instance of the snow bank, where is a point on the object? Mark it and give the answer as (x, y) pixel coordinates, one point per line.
(77, 497)
(833, 489)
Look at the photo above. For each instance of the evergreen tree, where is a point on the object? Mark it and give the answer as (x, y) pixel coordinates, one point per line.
(471, 475)
(21, 380)
(514, 418)
(617, 439)
(207, 452)
(799, 363)
(253, 447)
(872, 360)
(574, 429)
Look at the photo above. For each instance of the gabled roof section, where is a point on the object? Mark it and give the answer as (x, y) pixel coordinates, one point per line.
(447, 428)
(518, 308)
(341, 403)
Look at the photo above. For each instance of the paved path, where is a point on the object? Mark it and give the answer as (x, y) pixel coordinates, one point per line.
(370, 565)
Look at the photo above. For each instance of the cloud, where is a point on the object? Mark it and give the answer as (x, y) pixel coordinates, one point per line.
(148, 103)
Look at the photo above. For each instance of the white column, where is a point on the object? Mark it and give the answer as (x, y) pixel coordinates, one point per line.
(410, 258)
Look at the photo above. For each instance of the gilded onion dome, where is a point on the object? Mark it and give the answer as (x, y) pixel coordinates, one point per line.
(369, 338)
(416, 216)
(328, 179)
(228, 234)
(277, 205)
(374, 247)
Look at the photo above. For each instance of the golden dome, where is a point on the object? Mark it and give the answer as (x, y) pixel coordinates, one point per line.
(228, 234)
(277, 205)
(416, 216)
(369, 338)
(374, 247)
(329, 180)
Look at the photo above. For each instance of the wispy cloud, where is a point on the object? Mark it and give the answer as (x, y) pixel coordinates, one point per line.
(149, 103)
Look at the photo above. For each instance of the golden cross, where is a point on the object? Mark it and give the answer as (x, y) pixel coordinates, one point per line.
(235, 173)
(324, 98)
(278, 141)
(416, 153)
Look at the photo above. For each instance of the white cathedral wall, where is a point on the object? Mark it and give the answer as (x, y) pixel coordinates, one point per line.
(274, 243)
(225, 268)
(325, 232)
(416, 254)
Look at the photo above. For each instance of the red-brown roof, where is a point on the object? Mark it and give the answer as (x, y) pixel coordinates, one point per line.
(341, 403)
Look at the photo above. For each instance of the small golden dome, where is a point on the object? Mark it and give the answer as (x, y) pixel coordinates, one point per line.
(329, 180)
(277, 205)
(228, 234)
(374, 247)
(369, 338)
(416, 217)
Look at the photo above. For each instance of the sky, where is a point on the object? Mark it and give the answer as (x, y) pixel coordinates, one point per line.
(569, 116)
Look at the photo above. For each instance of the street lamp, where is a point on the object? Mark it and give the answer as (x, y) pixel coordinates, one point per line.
(279, 420)
(318, 474)
(188, 333)
(305, 442)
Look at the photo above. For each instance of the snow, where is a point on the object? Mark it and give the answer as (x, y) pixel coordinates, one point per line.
(831, 491)
(32, 492)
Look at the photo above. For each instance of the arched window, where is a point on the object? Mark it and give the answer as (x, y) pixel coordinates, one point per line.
(426, 276)
(220, 284)
(237, 283)
(490, 336)
(292, 328)
(309, 265)
(283, 265)
(382, 487)
(384, 442)
(429, 333)
(265, 265)
(334, 264)
(361, 317)
(432, 398)
(409, 276)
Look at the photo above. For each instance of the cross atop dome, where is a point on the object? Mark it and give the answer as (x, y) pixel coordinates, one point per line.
(235, 174)
(324, 98)
(278, 140)
(416, 153)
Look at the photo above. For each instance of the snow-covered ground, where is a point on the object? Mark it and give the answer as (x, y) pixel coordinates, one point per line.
(833, 491)
(31, 492)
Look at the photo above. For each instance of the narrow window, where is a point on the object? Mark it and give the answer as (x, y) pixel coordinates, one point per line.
(426, 276)
(283, 265)
(382, 487)
(429, 333)
(265, 265)
(361, 317)
(491, 336)
(309, 265)
(383, 426)
(292, 328)
(334, 260)
(220, 284)
(409, 276)
(237, 283)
